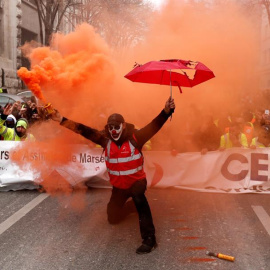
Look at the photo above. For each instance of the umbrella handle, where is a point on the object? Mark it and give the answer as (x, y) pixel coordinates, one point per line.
(172, 110)
(170, 83)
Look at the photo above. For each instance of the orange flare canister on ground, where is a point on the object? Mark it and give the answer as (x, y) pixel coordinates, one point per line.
(221, 256)
(49, 108)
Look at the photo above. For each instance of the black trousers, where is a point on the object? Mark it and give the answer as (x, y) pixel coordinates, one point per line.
(116, 209)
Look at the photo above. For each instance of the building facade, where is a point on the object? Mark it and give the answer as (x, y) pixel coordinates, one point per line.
(18, 23)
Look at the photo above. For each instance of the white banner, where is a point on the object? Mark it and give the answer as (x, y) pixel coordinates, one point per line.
(232, 171)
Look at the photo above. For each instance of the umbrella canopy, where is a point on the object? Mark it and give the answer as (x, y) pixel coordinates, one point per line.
(171, 72)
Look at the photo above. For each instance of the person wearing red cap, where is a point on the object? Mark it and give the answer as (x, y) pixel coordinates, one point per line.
(124, 160)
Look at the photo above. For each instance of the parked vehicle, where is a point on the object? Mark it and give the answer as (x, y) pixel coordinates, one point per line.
(9, 98)
(26, 95)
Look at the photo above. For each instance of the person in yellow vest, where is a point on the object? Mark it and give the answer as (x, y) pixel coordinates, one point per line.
(19, 133)
(263, 138)
(249, 131)
(234, 138)
(223, 123)
(11, 121)
(248, 119)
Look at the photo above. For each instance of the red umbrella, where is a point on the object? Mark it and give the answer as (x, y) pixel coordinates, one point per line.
(171, 72)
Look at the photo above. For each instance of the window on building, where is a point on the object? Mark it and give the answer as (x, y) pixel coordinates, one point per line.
(27, 36)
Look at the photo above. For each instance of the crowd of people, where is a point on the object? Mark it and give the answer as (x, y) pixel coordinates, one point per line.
(212, 133)
(246, 129)
(16, 118)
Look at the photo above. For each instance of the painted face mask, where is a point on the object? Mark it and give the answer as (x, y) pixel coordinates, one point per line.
(115, 131)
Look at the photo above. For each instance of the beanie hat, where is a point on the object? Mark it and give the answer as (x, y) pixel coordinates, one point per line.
(22, 123)
(115, 119)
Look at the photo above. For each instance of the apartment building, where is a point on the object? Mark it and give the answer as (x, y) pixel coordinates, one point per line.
(18, 23)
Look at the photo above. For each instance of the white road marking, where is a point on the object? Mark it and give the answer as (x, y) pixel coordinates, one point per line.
(22, 212)
(263, 217)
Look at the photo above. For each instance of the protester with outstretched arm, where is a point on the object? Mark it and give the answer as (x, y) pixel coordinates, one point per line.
(124, 161)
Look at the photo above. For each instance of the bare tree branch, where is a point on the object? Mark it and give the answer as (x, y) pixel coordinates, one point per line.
(119, 22)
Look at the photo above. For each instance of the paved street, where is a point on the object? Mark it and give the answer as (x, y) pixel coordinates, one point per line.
(71, 232)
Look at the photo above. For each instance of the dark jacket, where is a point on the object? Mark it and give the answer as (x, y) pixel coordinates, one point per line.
(101, 137)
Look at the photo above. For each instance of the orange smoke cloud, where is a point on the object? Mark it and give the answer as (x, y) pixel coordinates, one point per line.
(84, 79)
(222, 37)
(74, 68)
(32, 80)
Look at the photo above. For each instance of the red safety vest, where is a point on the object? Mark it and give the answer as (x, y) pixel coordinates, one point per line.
(124, 164)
